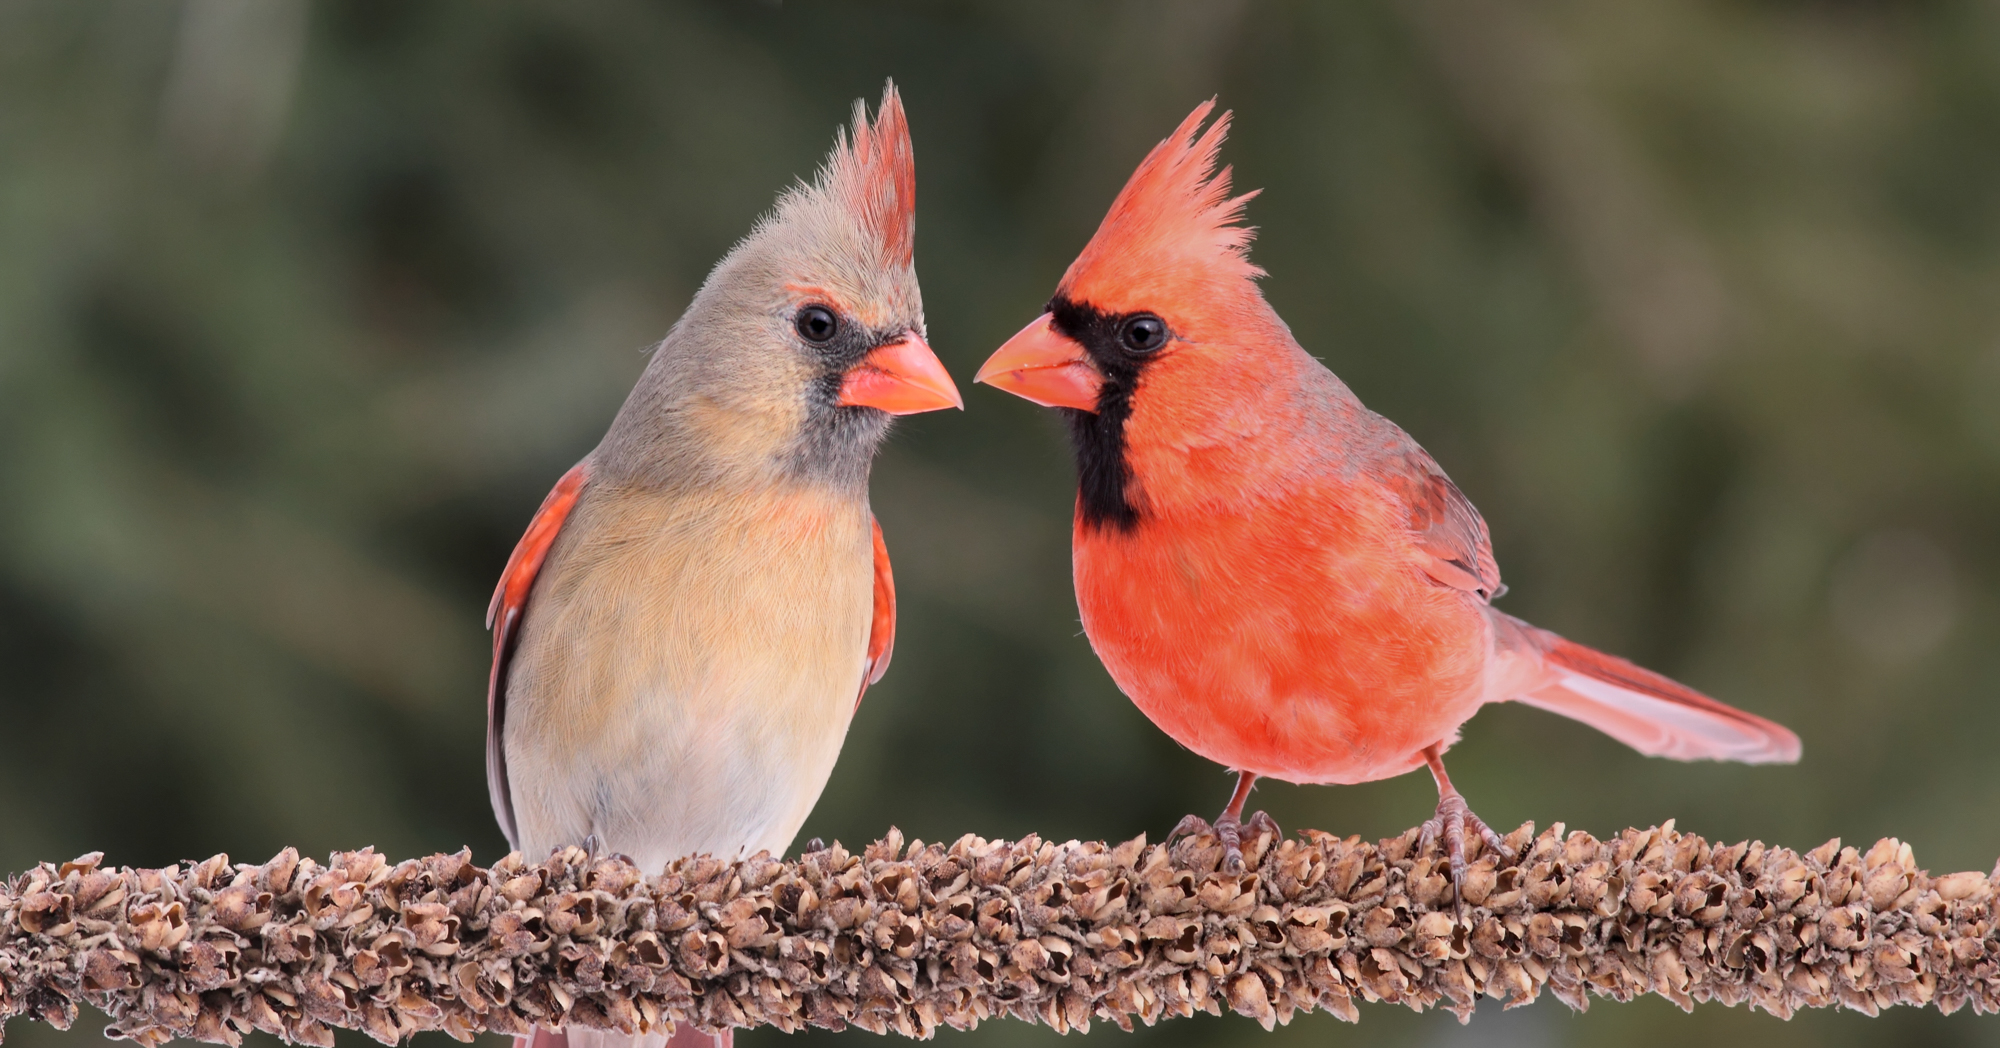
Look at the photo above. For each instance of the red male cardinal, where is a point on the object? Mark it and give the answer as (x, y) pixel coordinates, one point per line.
(1279, 577)
(686, 629)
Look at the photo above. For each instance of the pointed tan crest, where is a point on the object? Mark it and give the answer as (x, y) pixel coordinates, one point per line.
(874, 174)
(1174, 218)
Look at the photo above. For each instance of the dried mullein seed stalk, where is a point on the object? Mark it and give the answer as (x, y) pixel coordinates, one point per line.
(911, 937)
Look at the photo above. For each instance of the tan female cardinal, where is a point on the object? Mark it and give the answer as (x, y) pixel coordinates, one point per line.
(681, 637)
(1279, 577)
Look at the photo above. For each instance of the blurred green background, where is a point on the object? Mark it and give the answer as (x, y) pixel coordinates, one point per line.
(303, 307)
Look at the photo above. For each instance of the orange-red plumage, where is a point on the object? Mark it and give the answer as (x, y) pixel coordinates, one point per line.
(503, 617)
(1173, 228)
(1203, 618)
(882, 626)
(1280, 578)
(876, 176)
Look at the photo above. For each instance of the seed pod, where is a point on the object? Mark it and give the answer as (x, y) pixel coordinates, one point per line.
(911, 937)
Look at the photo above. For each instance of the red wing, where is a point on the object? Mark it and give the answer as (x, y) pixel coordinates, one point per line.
(503, 617)
(882, 629)
(1459, 552)
(1653, 714)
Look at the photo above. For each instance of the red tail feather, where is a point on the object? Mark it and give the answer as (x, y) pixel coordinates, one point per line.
(1642, 709)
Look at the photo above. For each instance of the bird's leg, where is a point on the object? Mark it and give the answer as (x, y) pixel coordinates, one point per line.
(1451, 820)
(1229, 825)
(686, 1036)
(542, 1039)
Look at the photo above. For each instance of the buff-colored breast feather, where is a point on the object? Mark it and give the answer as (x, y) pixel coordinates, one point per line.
(687, 669)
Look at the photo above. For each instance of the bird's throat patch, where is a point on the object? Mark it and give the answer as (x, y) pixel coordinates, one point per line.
(1103, 465)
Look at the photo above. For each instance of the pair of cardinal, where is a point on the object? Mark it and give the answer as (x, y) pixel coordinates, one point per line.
(1280, 578)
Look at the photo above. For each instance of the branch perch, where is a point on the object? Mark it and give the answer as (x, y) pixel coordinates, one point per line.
(910, 938)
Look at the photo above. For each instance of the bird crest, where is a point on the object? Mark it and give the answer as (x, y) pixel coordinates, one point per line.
(1174, 219)
(873, 173)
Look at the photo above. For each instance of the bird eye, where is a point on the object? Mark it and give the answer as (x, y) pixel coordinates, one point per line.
(1143, 333)
(816, 323)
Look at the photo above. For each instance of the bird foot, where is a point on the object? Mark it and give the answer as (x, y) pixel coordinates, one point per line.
(1229, 830)
(1231, 833)
(594, 849)
(814, 845)
(1226, 830)
(1260, 824)
(1453, 818)
(1189, 826)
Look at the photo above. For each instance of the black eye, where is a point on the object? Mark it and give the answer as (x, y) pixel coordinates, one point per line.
(1143, 333)
(816, 323)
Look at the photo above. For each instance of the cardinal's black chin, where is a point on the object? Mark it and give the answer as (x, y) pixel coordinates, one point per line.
(1103, 462)
(1103, 468)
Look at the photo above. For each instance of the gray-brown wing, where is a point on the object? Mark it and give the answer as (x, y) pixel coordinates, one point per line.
(1445, 526)
(503, 617)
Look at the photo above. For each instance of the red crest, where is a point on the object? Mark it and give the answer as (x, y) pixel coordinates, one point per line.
(874, 173)
(1174, 222)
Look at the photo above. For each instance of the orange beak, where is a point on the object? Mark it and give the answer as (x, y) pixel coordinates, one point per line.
(902, 378)
(1046, 367)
